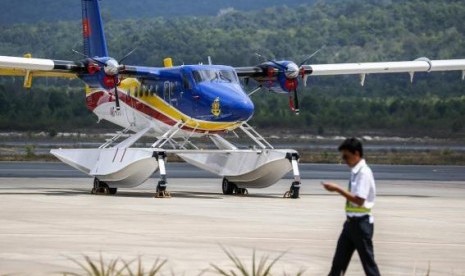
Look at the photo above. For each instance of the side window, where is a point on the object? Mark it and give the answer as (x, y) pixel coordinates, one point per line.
(157, 90)
(185, 82)
(197, 77)
(166, 90)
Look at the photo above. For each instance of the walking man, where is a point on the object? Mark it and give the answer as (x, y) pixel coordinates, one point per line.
(357, 232)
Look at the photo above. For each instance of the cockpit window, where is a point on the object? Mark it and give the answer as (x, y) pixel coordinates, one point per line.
(229, 76)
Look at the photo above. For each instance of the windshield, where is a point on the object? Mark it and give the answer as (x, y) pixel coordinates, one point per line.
(215, 75)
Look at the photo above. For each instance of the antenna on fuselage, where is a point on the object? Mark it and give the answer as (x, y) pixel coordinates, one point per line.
(210, 60)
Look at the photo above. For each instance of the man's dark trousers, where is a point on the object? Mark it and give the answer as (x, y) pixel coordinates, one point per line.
(357, 235)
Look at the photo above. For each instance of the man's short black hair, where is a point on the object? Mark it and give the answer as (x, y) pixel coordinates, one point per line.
(352, 145)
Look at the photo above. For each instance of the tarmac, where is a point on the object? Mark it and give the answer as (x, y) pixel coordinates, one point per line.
(307, 171)
(45, 222)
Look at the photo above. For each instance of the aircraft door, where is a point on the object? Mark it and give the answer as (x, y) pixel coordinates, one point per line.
(189, 94)
(186, 83)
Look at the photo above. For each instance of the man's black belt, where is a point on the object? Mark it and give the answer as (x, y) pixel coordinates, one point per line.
(357, 218)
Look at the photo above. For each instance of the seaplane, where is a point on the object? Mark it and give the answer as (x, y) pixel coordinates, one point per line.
(175, 105)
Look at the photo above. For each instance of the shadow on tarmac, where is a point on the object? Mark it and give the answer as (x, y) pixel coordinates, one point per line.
(174, 194)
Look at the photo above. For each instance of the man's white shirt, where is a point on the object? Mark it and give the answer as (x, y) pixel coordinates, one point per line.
(363, 185)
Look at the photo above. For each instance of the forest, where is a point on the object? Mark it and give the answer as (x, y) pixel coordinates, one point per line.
(27, 11)
(351, 31)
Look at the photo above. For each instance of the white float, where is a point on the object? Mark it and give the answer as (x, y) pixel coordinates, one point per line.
(121, 166)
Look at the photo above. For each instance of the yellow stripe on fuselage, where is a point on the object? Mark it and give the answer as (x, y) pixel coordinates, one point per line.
(161, 106)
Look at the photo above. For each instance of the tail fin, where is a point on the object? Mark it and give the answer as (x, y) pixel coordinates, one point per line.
(95, 44)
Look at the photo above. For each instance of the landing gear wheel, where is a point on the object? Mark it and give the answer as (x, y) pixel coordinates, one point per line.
(294, 191)
(102, 191)
(242, 191)
(161, 190)
(102, 188)
(228, 187)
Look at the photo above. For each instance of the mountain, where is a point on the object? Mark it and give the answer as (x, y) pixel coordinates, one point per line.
(31, 11)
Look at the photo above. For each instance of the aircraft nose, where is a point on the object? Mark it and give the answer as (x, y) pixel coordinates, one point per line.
(233, 104)
(245, 109)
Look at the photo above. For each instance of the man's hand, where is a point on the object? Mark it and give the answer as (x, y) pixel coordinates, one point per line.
(331, 187)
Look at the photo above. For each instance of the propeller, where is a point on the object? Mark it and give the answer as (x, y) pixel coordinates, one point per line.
(111, 68)
(300, 71)
(292, 71)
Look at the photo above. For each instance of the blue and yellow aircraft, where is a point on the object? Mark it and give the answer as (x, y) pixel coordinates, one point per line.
(185, 102)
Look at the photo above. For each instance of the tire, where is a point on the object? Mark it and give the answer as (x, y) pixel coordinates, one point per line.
(102, 188)
(102, 191)
(161, 187)
(228, 187)
(295, 190)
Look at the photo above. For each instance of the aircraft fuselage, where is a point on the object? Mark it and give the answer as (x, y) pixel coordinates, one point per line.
(209, 98)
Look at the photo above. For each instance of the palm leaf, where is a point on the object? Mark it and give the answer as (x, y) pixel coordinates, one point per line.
(262, 268)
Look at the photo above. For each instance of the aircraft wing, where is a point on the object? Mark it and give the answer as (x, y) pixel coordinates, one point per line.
(362, 69)
(35, 67)
(419, 65)
(250, 72)
(282, 76)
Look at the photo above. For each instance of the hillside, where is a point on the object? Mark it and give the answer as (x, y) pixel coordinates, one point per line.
(29, 11)
(352, 30)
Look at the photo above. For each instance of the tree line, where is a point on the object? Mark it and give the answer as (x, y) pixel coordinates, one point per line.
(350, 30)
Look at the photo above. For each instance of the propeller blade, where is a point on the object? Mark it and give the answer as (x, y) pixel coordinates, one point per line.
(312, 55)
(261, 56)
(296, 102)
(291, 104)
(272, 61)
(93, 59)
(116, 94)
(79, 53)
(127, 55)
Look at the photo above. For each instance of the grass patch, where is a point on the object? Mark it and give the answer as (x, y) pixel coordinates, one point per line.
(259, 266)
(116, 267)
(262, 267)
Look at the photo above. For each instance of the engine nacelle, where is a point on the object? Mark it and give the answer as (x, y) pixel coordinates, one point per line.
(282, 77)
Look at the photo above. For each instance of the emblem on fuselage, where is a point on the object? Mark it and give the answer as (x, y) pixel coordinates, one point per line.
(216, 107)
